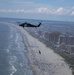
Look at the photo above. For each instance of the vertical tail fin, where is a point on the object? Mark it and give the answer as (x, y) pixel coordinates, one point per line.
(39, 24)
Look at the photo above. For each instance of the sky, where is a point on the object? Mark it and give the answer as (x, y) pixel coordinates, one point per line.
(61, 10)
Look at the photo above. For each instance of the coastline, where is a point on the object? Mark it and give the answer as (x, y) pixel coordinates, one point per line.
(35, 70)
(40, 63)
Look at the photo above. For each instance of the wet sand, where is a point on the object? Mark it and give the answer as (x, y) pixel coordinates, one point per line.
(46, 63)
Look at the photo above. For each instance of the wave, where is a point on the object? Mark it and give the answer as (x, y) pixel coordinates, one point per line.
(13, 69)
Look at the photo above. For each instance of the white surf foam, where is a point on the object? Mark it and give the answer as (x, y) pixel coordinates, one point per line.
(13, 69)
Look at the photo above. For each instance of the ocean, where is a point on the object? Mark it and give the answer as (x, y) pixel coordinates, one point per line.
(13, 59)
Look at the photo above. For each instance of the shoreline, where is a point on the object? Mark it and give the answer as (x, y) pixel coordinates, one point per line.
(31, 64)
(38, 63)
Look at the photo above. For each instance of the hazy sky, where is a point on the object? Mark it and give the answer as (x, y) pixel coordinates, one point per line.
(38, 9)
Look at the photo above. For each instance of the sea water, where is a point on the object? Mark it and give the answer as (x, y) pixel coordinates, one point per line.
(13, 59)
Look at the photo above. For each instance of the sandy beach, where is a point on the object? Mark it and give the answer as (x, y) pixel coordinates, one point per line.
(46, 63)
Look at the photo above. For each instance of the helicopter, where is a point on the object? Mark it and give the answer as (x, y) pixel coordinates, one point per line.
(26, 24)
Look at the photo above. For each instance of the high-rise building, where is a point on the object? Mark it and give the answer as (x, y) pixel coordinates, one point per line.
(46, 35)
(66, 39)
(54, 36)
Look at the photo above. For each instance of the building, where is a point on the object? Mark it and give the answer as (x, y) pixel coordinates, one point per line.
(46, 35)
(66, 39)
(54, 36)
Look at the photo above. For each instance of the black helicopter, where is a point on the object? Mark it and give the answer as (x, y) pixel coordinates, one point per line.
(29, 25)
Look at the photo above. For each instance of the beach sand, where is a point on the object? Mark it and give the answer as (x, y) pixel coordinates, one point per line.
(46, 63)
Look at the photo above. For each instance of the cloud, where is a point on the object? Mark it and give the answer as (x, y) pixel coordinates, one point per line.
(73, 7)
(15, 11)
(43, 10)
(60, 10)
(72, 11)
(50, 10)
(72, 14)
